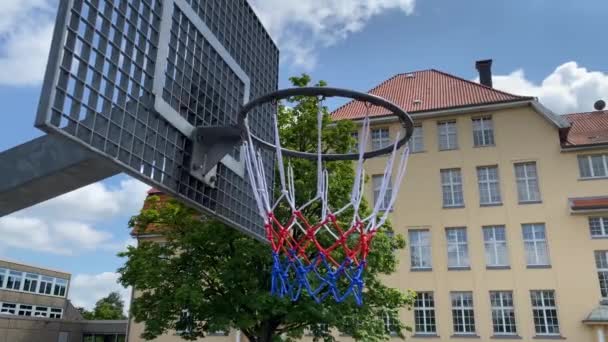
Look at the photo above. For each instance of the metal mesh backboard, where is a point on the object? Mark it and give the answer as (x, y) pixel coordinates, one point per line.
(131, 79)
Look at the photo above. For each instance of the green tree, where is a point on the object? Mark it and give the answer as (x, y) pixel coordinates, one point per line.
(107, 308)
(209, 277)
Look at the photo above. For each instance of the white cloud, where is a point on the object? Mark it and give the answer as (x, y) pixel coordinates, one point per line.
(25, 38)
(66, 225)
(569, 88)
(87, 289)
(302, 26)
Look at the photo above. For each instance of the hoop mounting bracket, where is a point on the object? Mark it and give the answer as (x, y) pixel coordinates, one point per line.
(210, 145)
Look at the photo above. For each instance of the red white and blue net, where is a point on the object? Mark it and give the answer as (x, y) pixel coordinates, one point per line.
(326, 257)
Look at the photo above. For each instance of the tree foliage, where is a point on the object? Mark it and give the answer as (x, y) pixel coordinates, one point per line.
(110, 307)
(208, 277)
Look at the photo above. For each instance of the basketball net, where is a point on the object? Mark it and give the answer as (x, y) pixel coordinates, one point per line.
(302, 261)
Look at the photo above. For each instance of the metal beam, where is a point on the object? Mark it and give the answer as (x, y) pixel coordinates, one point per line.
(47, 167)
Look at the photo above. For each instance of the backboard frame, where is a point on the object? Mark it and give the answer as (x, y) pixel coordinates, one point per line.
(232, 169)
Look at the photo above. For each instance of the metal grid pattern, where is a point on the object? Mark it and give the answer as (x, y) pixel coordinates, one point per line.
(99, 91)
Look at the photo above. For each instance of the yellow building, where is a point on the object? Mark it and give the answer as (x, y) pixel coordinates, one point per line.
(505, 207)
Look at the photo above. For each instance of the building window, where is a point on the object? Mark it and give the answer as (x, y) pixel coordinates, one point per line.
(593, 166)
(41, 311)
(597, 225)
(503, 313)
(14, 280)
(495, 244)
(420, 249)
(380, 138)
(46, 285)
(417, 140)
(448, 136)
(544, 312)
(601, 262)
(319, 328)
(8, 308)
(424, 313)
(458, 249)
(25, 310)
(355, 147)
(483, 131)
(386, 200)
(462, 313)
(61, 286)
(2, 277)
(30, 283)
(489, 188)
(527, 182)
(535, 241)
(389, 324)
(451, 184)
(56, 313)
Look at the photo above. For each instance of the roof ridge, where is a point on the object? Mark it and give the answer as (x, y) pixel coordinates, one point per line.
(605, 111)
(480, 85)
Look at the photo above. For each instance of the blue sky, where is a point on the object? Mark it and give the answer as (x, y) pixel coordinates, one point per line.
(555, 50)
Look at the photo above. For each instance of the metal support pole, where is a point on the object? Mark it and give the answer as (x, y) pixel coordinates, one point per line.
(45, 168)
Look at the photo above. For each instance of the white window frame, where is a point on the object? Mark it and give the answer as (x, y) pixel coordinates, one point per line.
(31, 277)
(453, 186)
(60, 284)
(11, 275)
(486, 183)
(449, 130)
(355, 147)
(48, 281)
(537, 243)
(377, 185)
(41, 311)
(492, 246)
(502, 310)
(8, 308)
(380, 137)
(526, 181)
(3, 277)
(461, 248)
(602, 224)
(588, 159)
(425, 312)
(601, 263)
(417, 140)
(24, 309)
(56, 313)
(544, 308)
(389, 324)
(417, 247)
(481, 125)
(464, 311)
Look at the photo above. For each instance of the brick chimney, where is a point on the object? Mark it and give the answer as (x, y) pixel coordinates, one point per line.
(484, 67)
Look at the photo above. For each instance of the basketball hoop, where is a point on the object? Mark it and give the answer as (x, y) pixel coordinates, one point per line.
(332, 265)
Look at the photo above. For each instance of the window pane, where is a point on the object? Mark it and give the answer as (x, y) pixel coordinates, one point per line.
(380, 138)
(2, 277)
(535, 244)
(448, 139)
(601, 262)
(417, 140)
(483, 131)
(489, 189)
(544, 312)
(598, 226)
(452, 187)
(377, 187)
(495, 244)
(458, 250)
(584, 167)
(14, 280)
(462, 312)
(595, 165)
(420, 249)
(527, 182)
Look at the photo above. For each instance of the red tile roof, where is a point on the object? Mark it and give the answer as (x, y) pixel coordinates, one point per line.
(590, 128)
(589, 203)
(427, 90)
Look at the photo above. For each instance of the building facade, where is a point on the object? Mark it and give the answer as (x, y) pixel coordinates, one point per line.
(505, 209)
(34, 308)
